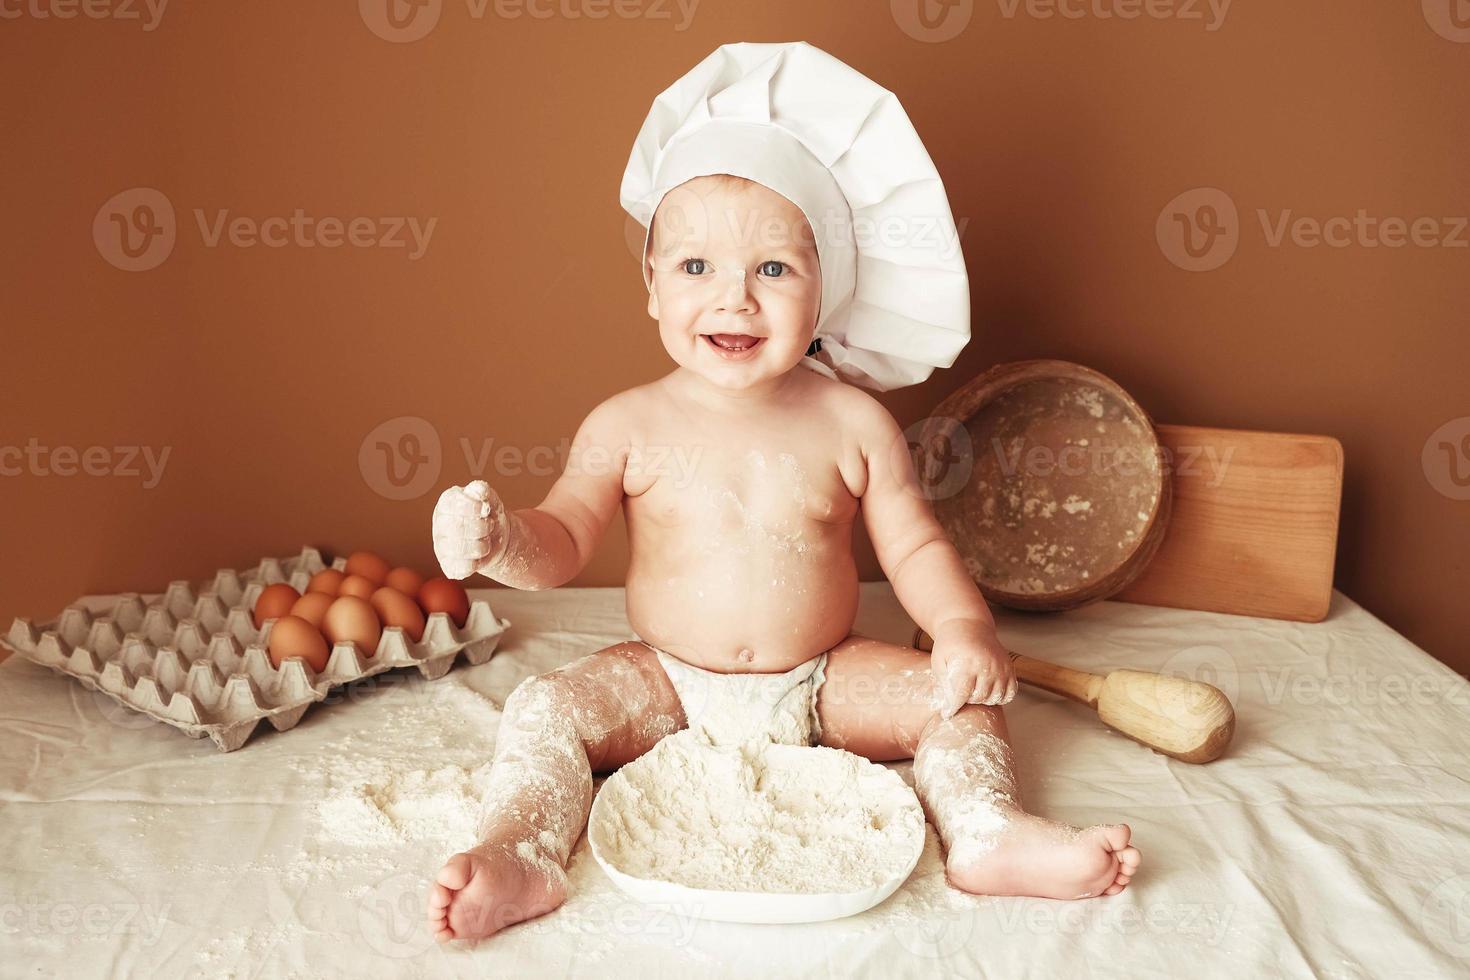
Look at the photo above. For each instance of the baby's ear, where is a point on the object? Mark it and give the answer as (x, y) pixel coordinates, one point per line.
(652, 301)
(648, 276)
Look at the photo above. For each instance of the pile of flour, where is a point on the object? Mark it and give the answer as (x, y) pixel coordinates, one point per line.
(757, 817)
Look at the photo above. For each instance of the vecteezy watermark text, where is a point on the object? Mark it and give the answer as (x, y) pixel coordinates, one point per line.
(35, 459)
(401, 459)
(936, 21)
(147, 12)
(1210, 13)
(406, 21)
(40, 918)
(945, 458)
(1200, 229)
(136, 230)
(306, 231)
(685, 222)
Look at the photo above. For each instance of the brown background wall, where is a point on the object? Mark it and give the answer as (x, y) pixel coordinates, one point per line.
(264, 370)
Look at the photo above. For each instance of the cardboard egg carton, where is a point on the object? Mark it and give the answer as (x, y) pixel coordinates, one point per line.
(196, 661)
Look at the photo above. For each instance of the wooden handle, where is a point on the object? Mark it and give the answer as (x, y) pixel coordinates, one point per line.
(1189, 720)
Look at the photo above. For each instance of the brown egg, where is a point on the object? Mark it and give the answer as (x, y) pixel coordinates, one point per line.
(351, 618)
(312, 607)
(396, 609)
(405, 580)
(447, 596)
(327, 581)
(274, 602)
(369, 566)
(357, 585)
(292, 636)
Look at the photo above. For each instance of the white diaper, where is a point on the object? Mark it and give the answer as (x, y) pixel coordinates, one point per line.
(730, 709)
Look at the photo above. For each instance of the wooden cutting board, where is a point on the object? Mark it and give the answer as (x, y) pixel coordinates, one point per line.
(1254, 524)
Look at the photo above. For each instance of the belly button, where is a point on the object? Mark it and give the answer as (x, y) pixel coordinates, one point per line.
(746, 655)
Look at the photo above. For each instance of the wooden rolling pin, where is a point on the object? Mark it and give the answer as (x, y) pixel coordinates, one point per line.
(1189, 720)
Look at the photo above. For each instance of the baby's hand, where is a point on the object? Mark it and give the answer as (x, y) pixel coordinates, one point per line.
(470, 529)
(970, 666)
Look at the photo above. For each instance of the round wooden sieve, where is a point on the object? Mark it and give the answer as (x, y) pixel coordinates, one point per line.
(1049, 479)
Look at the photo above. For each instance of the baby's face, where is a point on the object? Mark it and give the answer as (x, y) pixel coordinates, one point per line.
(736, 285)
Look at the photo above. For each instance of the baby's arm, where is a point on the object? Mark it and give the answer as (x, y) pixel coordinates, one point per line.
(926, 572)
(544, 546)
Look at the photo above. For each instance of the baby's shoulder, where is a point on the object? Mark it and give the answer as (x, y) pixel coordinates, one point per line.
(631, 407)
(859, 414)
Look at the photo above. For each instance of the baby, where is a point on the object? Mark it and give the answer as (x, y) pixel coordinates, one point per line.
(741, 475)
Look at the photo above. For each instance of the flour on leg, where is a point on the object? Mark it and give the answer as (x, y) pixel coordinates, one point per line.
(964, 775)
(601, 711)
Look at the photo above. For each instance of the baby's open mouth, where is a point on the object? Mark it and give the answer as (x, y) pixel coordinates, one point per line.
(732, 341)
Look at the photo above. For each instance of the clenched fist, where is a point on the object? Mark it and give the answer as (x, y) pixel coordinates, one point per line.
(970, 666)
(471, 529)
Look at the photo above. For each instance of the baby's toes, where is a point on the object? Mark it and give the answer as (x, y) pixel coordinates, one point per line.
(456, 873)
(1116, 837)
(440, 898)
(438, 926)
(1125, 874)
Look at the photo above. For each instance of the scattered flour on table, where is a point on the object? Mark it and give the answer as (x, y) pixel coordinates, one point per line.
(400, 806)
(758, 817)
(385, 788)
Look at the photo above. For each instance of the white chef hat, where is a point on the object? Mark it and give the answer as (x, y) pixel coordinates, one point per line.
(895, 297)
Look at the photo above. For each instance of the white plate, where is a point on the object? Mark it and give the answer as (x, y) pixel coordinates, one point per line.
(883, 788)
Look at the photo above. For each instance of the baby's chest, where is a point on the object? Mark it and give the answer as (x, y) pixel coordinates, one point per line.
(730, 488)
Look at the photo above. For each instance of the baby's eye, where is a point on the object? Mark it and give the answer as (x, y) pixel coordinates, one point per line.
(694, 267)
(772, 269)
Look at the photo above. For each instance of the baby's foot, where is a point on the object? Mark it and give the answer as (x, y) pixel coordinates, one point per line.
(480, 892)
(1046, 859)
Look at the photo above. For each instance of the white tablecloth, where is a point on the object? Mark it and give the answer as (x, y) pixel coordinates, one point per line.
(1333, 839)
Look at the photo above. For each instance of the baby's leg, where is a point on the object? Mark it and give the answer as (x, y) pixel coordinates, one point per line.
(876, 701)
(594, 714)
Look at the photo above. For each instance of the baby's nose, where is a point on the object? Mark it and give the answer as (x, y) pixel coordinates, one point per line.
(735, 295)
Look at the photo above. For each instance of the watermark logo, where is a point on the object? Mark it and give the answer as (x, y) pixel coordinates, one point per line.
(1445, 916)
(392, 919)
(120, 715)
(932, 21)
(944, 458)
(1207, 664)
(1446, 459)
(135, 229)
(1450, 19)
(400, 21)
(941, 453)
(684, 225)
(1199, 229)
(400, 459)
(938, 936)
(680, 221)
